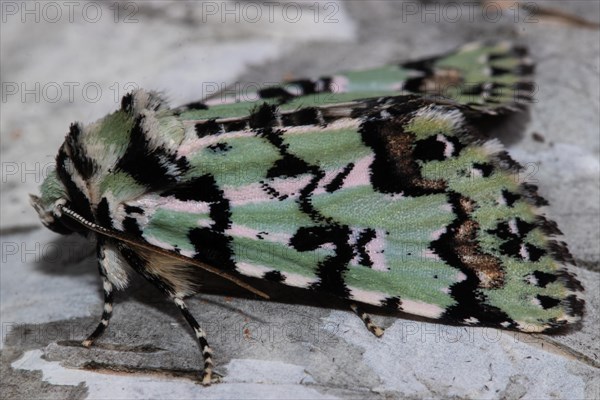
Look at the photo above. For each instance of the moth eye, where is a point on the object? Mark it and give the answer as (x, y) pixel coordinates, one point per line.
(57, 208)
(53, 219)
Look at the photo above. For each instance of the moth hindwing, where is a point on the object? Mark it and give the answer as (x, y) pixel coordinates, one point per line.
(395, 201)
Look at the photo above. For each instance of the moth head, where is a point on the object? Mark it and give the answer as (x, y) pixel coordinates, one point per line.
(53, 194)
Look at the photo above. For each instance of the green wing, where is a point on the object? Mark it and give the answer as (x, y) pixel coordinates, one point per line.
(363, 192)
(391, 202)
(489, 77)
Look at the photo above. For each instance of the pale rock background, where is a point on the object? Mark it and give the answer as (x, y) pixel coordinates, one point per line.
(50, 293)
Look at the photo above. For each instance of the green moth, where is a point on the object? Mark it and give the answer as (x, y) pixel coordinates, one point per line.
(377, 187)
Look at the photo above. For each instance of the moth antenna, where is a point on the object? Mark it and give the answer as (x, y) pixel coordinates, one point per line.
(61, 209)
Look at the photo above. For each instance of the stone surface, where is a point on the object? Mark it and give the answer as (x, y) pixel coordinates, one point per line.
(50, 293)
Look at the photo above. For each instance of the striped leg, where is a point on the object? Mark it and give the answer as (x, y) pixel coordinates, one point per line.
(366, 318)
(208, 376)
(106, 314)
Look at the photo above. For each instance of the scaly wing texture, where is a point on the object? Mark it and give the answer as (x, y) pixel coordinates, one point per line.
(389, 201)
(399, 206)
(489, 77)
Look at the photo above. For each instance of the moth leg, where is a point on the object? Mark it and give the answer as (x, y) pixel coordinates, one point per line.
(106, 313)
(366, 318)
(208, 376)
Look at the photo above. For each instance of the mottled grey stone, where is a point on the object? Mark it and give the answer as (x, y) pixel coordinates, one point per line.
(50, 293)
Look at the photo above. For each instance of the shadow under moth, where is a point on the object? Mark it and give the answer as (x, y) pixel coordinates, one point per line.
(373, 186)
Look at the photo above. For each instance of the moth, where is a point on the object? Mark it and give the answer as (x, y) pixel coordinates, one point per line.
(373, 186)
